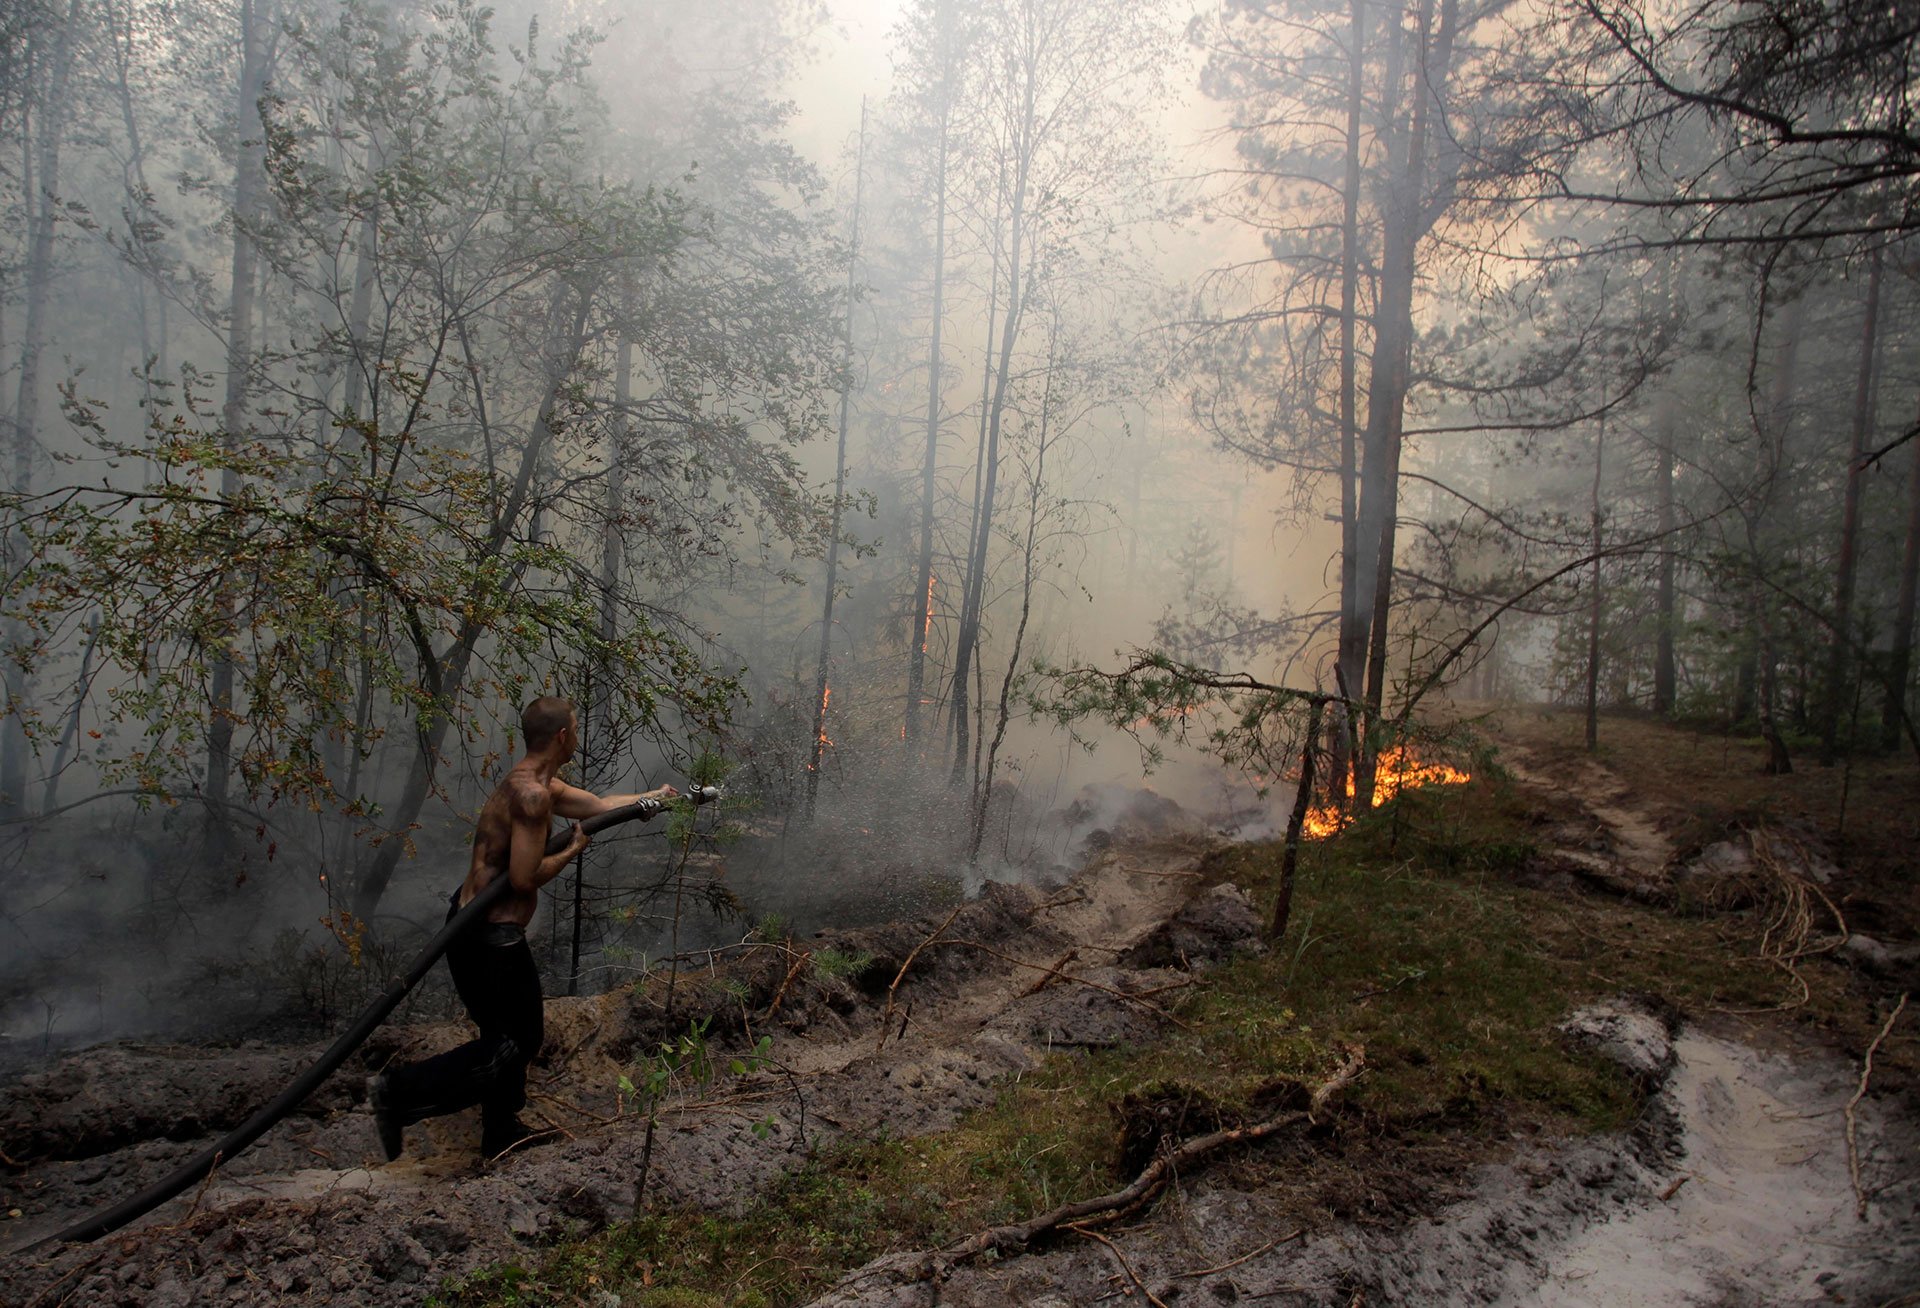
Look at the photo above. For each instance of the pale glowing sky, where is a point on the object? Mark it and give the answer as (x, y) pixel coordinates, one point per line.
(852, 62)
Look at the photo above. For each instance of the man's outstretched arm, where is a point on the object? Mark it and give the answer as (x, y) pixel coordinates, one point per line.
(573, 802)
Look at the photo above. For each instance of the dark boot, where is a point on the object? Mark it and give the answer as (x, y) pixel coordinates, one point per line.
(497, 1136)
(386, 1116)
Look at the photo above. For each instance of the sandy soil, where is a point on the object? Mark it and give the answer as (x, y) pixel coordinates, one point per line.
(1760, 1207)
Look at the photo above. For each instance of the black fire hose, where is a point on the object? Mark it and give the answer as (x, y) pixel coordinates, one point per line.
(287, 1100)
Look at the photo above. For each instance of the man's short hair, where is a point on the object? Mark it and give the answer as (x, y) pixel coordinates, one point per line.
(544, 719)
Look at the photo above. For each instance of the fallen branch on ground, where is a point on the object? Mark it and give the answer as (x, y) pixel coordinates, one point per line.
(1016, 1236)
(1125, 1266)
(781, 993)
(887, 1017)
(1853, 1126)
(1268, 1247)
(1052, 974)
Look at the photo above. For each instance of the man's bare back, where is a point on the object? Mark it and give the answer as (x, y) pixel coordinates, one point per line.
(520, 800)
(510, 836)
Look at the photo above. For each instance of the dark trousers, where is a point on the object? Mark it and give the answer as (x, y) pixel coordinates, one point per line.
(494, 973)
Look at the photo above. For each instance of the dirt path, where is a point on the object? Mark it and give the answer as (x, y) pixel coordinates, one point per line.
(1760, 1206)
(1621, 840)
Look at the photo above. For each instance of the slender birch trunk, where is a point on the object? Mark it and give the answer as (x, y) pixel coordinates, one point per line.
(819, 742)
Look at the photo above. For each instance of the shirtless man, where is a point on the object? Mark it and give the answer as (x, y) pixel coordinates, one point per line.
(493, 970)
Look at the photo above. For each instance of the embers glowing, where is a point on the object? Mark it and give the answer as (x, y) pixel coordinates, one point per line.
(926, 619)
(1397, 769)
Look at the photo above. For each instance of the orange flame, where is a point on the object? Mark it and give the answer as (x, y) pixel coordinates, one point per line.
(1397, 769)
(926, 619)
(822, 743)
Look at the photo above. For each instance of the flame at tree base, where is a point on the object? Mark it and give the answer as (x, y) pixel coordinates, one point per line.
(1397, 769)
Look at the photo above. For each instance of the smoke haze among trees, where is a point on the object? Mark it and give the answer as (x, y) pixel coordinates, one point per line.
(873, 401)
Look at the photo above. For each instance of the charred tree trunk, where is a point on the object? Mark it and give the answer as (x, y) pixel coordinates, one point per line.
(1832, 690)
(1408, 218)
(1350, 644)
(1302, 801)
(1356, 626)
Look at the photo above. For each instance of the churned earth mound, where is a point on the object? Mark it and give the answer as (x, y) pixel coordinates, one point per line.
(897, 1029)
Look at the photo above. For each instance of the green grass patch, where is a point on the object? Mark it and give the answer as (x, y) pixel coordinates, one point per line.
(1410, 937)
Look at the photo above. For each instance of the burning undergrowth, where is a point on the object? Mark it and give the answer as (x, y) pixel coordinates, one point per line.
(1396, 770)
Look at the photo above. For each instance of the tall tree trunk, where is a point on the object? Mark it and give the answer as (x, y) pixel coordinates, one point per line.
(42, 183)
(598, 726)
(996, 412)
(1832, 690)
(249, 157)
(983, 795)
(929, 466)
(1665, 679)
(1593, 612)
(1407, 221)
(613, 552)
(1351, 643)
(1772, 456)
(1356, 620)
(839, 488)
(958, 703)
(1900, 660)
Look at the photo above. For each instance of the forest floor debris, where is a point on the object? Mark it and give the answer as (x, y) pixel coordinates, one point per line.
(1482, 1156)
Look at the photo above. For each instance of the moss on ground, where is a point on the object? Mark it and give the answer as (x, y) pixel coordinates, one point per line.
(1410, 937)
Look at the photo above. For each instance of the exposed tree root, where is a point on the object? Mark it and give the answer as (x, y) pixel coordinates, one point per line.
(1853, 1104)
(1787, 896)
